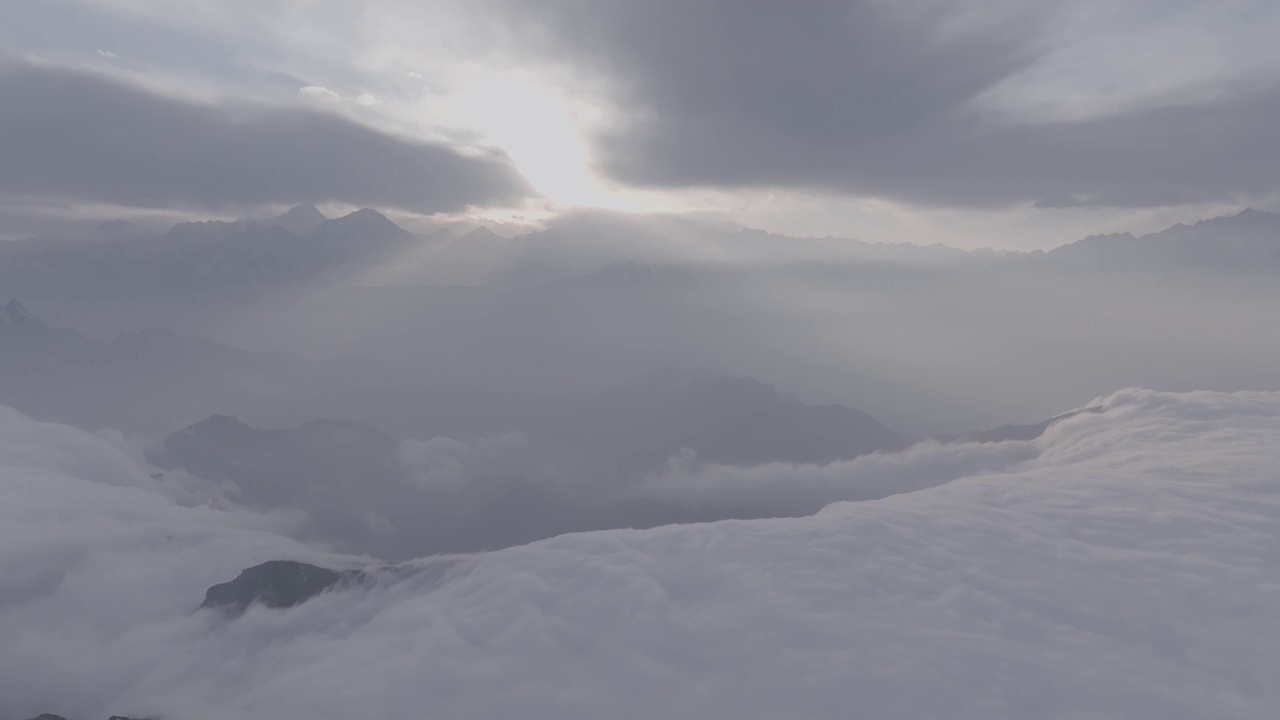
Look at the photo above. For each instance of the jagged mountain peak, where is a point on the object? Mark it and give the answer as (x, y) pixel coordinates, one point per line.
(363, 224)
(1252, 212)
(1246, 238)
(302, 220)
(15, 315)
(304, 210)
(274, 584)
(217, 423)
(1246, 218)
(481, 234)
(363, 216)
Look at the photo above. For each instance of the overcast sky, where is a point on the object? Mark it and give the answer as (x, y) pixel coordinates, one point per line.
(991, 122)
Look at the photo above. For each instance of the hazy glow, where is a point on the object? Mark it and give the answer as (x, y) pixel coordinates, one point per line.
(540, 129)
(449, 72)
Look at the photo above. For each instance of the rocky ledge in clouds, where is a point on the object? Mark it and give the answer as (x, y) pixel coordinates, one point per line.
(51, 716)
(275, 584)
(1013, 432)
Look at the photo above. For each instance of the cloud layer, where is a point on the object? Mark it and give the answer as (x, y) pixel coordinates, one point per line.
(80, 136)
(904, 101)
(992, 119)
(1128, 567)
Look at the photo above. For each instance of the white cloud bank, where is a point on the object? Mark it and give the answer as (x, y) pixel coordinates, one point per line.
(319, 92)
(1124, 565)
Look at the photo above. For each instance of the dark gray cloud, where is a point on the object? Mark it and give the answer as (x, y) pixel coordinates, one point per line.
(83, 137)
(876, 99)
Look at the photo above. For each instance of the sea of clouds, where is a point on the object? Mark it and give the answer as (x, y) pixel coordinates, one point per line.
(1125, 564)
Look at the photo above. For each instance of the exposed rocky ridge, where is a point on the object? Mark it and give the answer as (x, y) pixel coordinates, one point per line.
(51, 716)
(275, 584)
(1013, 432)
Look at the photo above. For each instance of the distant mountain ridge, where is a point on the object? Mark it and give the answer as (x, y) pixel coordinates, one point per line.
(14, 315)
(1248, 240)
(58, 374)
(301, 220)
(270, 466)
(352, 482)
(24, 332)
(363, 225)
(28, 345)
(190, 257)
(719, 417)
(302, 243)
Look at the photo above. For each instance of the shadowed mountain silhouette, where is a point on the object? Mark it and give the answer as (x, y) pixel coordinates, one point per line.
(345, 477)
(116, 229)
(365, 225)
(15, 315)
(301, 220)
(1248, 240)
(721, 418)
(1013, 432)
(197, 257)
(274, 584)
(51, 716)
(274, 467)
(28, 345)
(58, 374)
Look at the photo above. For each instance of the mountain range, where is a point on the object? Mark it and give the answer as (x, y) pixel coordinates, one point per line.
(474, 333)
(117, 261)
(641, 423)
(355, 483)
(137, 382)
(302, 243)
(1247, 241)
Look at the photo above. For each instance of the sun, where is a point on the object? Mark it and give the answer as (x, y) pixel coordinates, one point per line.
(543, 130)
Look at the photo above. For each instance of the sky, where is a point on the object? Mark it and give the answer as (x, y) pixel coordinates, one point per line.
(988, 123)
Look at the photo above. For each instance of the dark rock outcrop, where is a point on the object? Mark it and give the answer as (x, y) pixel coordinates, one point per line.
(51, 716)
(1013, 432)
(275, 584)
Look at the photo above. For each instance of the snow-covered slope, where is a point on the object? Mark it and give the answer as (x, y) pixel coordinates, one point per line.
(1124, 564)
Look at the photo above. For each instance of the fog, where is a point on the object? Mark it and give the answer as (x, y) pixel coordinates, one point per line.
(474, 335)
(613, 423)
(639, 359)
(950, 561)
(402, 395)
